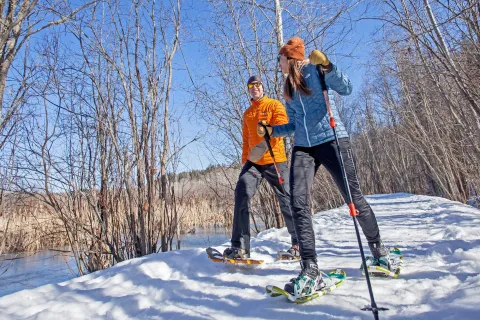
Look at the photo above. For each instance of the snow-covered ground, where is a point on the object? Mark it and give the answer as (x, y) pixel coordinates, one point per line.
(440, 279)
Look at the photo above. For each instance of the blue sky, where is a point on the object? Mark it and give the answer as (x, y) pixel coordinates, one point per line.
(195, 156)
(351, 55)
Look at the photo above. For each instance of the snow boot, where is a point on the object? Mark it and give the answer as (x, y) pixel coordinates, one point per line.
(380, 254)
(236, 253)
(309, 280)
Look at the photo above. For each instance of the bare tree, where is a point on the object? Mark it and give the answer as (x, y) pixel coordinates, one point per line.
(20, 20)
(423, 99)
(94, 148)
(245, 41)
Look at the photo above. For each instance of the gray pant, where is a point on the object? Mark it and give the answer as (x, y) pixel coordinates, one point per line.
(248, 182)
(305, 163)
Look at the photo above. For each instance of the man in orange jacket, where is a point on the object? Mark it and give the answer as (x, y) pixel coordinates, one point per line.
(258, 164)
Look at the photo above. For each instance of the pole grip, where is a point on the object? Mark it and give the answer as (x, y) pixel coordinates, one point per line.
(321, 75)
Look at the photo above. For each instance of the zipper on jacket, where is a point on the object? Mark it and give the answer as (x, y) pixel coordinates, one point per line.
(305, 120)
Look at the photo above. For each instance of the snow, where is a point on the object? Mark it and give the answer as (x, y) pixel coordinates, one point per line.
(440, 240)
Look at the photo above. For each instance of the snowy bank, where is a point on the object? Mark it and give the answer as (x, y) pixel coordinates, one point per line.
(440, 279)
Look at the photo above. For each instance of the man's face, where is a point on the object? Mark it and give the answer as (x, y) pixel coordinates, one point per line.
(256, 90)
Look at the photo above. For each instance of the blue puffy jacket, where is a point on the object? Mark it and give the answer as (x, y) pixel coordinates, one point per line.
(308, 116)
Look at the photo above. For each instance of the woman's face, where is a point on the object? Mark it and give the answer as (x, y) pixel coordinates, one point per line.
(284, 64)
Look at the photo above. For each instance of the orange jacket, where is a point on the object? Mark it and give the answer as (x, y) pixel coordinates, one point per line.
(274, 113)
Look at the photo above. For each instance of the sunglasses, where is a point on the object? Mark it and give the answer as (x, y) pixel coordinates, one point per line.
(255, 84)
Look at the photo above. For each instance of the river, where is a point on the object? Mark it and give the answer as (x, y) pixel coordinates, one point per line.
(30, 270)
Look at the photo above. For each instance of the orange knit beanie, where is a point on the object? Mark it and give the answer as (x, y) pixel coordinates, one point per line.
(294, 49)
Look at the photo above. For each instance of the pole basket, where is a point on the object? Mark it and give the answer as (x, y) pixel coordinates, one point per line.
(374, 310)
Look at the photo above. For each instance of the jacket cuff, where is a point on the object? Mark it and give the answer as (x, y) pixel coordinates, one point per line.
(332, 72)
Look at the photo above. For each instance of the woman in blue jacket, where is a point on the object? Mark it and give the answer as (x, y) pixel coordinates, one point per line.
(314, 146)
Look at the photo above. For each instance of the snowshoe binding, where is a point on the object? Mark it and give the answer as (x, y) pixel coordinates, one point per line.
(292, 254)
(383, 263)
(304, 288)
(231, 256)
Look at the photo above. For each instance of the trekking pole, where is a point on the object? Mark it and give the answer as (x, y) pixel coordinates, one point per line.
(353, 212)
(267, 140)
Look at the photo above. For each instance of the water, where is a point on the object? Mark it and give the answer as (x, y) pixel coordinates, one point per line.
(31, 270)
(203, 238)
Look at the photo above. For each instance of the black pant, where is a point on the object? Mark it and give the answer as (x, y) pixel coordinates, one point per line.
(305, 163)
(248, 182)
